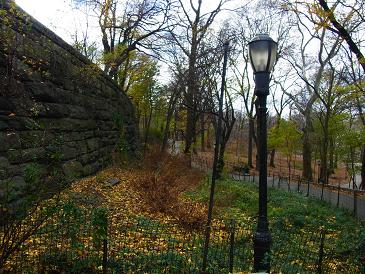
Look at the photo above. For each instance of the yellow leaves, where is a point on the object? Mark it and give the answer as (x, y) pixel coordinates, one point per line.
(362, 60)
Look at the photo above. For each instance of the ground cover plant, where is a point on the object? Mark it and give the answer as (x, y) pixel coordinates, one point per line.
(152, 221)
(298, 225)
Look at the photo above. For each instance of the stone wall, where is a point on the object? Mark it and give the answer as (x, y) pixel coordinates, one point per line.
(56, 107)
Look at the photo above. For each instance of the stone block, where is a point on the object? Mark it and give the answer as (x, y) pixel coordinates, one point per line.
(89, 157)
(72, 169)
(6, 105)
(17, 156)
(92, 144)
(91, 169)
(69, 151)
(4, 163)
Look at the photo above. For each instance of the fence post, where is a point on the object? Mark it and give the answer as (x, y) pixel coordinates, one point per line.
(105, 256)
(231, 246)
(273, 179)
(321, 252)
(322, 191)
(338, 194)
(299, 184)
(355, 202)
(307, 188)
(105, 242)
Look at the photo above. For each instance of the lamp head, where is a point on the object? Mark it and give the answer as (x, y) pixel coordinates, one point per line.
(263, 53)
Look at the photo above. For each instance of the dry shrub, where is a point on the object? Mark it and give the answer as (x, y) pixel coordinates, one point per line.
(162, 183)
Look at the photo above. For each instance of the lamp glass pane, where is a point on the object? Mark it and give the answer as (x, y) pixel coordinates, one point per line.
(259, 55)
(274, 50)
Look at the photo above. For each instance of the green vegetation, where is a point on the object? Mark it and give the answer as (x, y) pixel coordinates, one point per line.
(296, 224)
(153, 221)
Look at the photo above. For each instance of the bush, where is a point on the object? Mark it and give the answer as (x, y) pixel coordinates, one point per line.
(162, 184)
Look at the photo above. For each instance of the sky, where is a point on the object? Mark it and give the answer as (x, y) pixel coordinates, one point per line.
(60, 17)
(65, 21)
(56, 15)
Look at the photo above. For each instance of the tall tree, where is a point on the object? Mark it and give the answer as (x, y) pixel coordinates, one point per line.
(344, 19)
(356, 10)
(309, 63)
(127, 26)
(192, 26)
(258, 17)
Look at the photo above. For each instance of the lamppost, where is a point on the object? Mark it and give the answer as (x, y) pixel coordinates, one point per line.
(263, 51)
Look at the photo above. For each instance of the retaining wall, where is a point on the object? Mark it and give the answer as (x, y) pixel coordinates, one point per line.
(55, 105)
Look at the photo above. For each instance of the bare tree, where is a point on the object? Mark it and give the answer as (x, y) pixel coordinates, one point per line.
(127, 26)
(310, 71)
(259, 17)
(346, 26)
(192, 26)
(356, 10)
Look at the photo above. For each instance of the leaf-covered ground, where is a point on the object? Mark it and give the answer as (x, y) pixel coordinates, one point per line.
(159, 206)
(153, 189)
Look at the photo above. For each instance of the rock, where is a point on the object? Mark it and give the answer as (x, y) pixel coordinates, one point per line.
(72, 169)
(112, 181)
(17, 187)
(4, 163)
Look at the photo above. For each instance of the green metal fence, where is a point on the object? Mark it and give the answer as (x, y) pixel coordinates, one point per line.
(77, 239)
(84, 240)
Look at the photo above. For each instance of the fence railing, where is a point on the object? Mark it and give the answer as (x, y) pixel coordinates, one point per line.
(80, 240)
(89, 240)
(350, 199)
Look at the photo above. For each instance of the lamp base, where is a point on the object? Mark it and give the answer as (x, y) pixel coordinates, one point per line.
(262, 241)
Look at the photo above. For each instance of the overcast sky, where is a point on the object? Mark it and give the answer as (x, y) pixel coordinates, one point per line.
(59, 16)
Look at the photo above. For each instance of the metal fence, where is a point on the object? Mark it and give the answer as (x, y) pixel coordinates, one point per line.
(89, 240)
(79, 240)
(350, 199)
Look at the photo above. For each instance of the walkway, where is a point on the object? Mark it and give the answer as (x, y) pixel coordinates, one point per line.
(352, 200)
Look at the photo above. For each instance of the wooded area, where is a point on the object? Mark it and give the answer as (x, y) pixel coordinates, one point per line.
(317, 84)
(139, 90)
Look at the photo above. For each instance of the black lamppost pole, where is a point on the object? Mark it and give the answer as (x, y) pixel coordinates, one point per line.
(263, 51)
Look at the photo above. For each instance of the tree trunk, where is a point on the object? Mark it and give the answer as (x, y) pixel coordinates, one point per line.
(147, 131)
(170, 113)
(209, 146)
(190, 93)
(324, 160)
(250, 143)
(166, 134)
(331, 157)
(324, 174)
(362, 185)
(272, 158)
(202, 132)
(307, 149)
(221, 163)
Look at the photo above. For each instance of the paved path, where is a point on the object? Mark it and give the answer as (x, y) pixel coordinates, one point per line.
(353, 201)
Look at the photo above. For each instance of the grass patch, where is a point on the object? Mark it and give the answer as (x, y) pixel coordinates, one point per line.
(296, 223)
